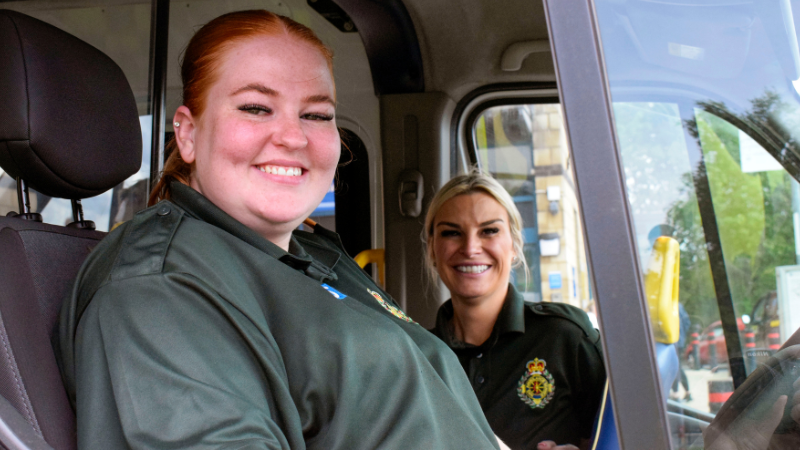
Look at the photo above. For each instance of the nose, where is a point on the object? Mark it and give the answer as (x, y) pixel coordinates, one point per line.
(471, 246)
(290, 134)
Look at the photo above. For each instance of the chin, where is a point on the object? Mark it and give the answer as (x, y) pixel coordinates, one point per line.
(278, 214)
(469, 295)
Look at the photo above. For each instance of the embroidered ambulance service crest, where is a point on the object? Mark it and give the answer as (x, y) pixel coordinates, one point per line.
(537, 386)
(395, 311)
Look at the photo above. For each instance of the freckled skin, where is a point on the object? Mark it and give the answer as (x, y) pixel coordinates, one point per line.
(473, 229)
(271, 104)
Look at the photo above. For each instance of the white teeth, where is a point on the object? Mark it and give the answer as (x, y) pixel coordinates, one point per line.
(472, 269)
(280, 170)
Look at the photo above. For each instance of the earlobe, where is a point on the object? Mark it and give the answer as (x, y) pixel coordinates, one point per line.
(184, 126)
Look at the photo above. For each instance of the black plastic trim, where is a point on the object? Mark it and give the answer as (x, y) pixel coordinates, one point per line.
(483, 90)
(390, 41)
(333, 14)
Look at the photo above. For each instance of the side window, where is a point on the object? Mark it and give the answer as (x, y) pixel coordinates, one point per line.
(524, 147)
(121, 31)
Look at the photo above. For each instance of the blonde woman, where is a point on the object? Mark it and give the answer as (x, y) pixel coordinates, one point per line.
(537, 369)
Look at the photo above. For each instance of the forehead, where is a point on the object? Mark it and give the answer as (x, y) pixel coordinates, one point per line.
(474, 207)
(274, 60)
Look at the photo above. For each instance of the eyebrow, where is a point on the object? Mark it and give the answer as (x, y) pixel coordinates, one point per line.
(451, 224)
(258, 87)
(320, 99)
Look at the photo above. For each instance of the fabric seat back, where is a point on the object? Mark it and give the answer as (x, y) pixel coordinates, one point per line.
(33, 281)
(69, 128)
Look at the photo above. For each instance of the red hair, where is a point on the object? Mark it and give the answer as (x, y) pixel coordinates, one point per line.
(199, 71)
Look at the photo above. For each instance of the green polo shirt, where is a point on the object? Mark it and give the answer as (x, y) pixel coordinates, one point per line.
(186, 329)
(539, 376)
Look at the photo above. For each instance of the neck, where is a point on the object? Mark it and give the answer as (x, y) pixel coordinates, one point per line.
(283, 242)
(473, 321)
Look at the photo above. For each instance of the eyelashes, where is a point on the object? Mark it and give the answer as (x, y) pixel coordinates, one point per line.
(318, 116)
(255, 109)
(258, 110)
(454, 233)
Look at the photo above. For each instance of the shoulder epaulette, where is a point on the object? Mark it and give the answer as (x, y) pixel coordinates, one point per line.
(569, 312)
(146, 240)
(322, 234)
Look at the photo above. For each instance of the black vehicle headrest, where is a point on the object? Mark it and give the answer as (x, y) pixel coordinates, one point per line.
(68, 119)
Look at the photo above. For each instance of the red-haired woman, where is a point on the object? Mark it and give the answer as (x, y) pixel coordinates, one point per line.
(208, 321)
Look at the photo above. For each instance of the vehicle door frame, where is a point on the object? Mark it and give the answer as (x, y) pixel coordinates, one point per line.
(639, 406)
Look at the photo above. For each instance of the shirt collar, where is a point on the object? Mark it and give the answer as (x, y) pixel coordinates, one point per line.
(511, 319)
(314, 260)
(512, 316)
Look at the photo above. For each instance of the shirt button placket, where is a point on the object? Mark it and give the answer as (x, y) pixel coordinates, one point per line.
(479, 380)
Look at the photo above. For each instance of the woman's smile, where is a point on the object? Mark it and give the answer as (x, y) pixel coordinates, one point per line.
(476, 269)
(281, 170)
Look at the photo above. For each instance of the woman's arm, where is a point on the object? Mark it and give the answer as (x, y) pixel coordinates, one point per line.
(163, 362)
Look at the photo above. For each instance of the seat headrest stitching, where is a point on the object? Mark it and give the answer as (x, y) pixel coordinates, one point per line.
(27, 93)
(46, 166)
(21, 391)
(25, 71)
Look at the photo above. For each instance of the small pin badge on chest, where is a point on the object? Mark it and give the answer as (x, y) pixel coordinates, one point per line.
(392, 309)
(536, 387)
(338, 295)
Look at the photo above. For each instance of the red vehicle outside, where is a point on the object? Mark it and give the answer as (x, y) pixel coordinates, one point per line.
(763, 330)
(711, 337)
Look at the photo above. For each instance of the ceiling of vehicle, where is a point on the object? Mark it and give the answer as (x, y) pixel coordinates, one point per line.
(462, 42)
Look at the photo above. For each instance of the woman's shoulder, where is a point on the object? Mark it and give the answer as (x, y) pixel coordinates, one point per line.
(132, 248)
(573, 315)
(139, 246)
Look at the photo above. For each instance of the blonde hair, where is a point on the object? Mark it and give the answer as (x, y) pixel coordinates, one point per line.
(470, 183)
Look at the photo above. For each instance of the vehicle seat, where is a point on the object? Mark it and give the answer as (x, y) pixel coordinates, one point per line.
(69, 129)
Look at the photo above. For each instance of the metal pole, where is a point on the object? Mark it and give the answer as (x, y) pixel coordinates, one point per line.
(23, 197)
(159, 33)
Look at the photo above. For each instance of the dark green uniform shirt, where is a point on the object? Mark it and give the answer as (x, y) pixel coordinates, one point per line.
(539, 376)
(188, 330)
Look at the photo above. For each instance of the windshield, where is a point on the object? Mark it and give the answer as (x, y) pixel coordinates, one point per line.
(707, 115)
